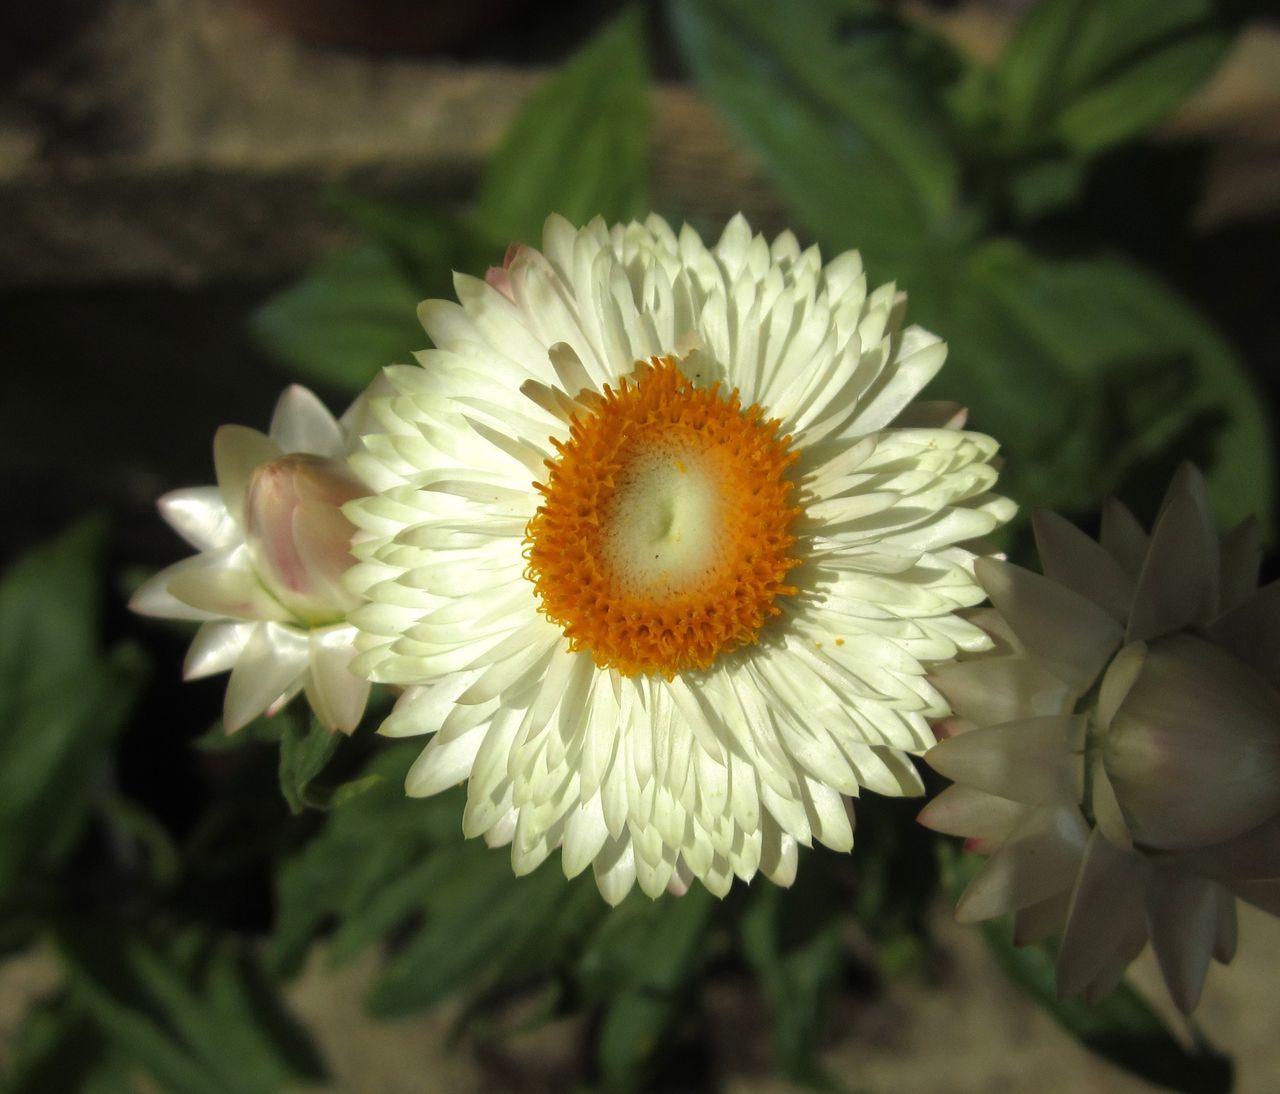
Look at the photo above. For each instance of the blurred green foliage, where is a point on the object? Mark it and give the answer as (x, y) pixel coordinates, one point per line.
(879, 135)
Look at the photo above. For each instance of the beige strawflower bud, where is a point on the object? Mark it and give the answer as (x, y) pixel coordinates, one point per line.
(1117, 755)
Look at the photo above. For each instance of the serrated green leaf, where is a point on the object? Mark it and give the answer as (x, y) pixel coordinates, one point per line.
(1089, 73)
(580, 145)
(1123, 1028)
(1096, 379)
(353, 315)
(827, 94)
(61, 702)
(196, 1014)
(306, 747)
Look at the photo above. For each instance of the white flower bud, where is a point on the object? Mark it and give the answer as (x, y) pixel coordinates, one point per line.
(298, 538)
(1193, 750)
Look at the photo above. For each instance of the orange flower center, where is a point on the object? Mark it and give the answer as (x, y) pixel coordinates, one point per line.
(663, 537)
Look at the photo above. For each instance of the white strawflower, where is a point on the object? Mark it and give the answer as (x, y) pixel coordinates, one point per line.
(1119, 755)
(659, 572)
(268, 581)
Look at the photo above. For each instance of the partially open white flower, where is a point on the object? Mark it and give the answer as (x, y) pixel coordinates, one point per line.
(1118, 756)
(267, 584)
(657, 568)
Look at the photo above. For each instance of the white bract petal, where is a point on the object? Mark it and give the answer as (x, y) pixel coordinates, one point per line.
(711, 618)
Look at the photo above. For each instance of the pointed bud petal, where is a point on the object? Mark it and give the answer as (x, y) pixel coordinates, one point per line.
(1038, 760)
(1071, 635)
(1178, 585)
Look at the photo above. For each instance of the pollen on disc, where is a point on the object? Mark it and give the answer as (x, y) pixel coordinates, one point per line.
(663, 540)
(662, 528)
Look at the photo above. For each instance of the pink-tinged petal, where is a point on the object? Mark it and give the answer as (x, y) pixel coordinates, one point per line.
(336, 694)
(1251, 630)
(153, 597)
(1106, 904)
(1178, 584)
(1194, 750)
(1071, 558)
(1182, 916)
(216, 648)
(200, 517)
(273, 662)
(1039, 761)
(1122, 537)
(237, 452)
(1071, 635)
(302, 423)
(964, 811)
(990, 690)
(298, 537)
(225, 586)
(1040, 861)
(1241, 558)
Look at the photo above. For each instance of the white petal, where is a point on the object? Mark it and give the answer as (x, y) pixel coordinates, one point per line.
(216, 648)
(237, 452)
(273, 661)
(336, 694)
(200, 516)
(302, 423)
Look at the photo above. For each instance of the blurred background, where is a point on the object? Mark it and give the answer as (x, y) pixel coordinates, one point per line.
(202, 201)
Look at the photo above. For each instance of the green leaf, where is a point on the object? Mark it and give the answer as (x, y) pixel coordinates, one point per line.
(306, 747)
(61, 702)
(642, 963)
(830, 95)
(1097, 380)
(580, 145)
(386, 866)
(351, 316)
(59, 1048)
(1090, 73)
(793, 941)
(1122, 1028)
(196, 1013)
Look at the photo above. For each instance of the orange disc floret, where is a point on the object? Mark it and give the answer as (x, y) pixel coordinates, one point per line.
(663, 539)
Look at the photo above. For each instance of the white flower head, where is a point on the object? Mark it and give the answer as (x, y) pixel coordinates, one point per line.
(1118, 756)
(659, 571)
(267, 583)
